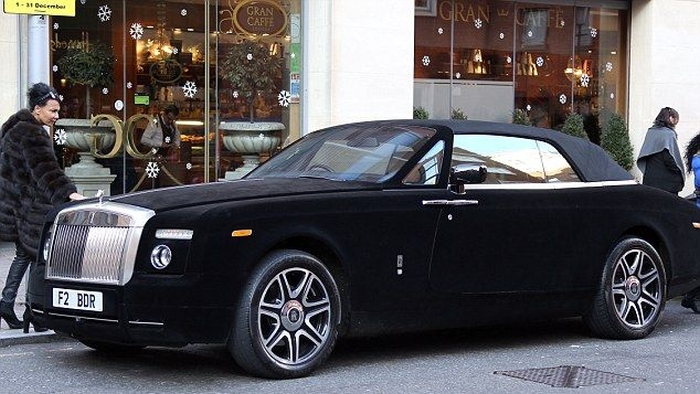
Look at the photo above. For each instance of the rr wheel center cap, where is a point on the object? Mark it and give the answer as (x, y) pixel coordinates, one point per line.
(633, 288)
(292, 315)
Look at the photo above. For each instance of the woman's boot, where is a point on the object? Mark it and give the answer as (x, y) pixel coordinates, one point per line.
(7, 312)
(29, 319)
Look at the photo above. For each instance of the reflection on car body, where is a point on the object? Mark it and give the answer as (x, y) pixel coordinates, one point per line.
(365, 229)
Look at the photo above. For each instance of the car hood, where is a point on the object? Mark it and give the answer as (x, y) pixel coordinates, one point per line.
(184, 196)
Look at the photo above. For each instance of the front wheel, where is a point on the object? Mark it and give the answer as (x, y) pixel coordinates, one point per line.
(286, 323)
(631, 294)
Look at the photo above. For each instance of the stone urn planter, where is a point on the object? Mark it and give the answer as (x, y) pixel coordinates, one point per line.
(79, 136)
(89, 176)
(250, 140)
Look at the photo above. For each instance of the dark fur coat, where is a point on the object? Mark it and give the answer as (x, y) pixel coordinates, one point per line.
(31, 180)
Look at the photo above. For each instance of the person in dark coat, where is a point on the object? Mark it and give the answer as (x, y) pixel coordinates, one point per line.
(692, 160)
(31, 184)
(659, 158)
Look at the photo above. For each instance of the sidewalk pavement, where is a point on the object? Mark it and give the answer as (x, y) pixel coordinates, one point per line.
(15, 337)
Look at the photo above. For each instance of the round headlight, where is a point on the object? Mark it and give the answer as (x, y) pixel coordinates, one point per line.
(46, 246)
(161, 256)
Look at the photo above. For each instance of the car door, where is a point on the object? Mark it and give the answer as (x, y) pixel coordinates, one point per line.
(512, 233)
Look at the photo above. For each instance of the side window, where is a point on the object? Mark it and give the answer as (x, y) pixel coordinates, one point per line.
(513, 159)
(427, 170)
(556, 167)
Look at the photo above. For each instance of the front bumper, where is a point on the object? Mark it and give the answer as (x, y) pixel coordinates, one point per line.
(147, 311)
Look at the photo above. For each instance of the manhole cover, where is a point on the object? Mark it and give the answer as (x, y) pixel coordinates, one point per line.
(568, 376)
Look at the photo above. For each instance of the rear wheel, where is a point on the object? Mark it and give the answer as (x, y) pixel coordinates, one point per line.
(287, 320)
(631, 294)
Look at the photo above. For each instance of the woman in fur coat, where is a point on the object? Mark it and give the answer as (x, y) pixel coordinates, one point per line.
(31, 184)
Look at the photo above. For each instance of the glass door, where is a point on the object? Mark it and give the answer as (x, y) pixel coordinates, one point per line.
(175, 92)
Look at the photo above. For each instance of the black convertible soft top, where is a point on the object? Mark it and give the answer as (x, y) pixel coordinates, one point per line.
(594, 164)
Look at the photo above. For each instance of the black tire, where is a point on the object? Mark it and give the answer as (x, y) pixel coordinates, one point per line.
(632, 292)
(111, 348)
(286, 323)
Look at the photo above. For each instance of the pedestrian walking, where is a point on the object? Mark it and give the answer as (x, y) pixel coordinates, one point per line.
(659, 158)
(31, 184)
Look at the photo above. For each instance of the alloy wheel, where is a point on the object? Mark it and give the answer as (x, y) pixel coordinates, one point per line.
(294, 316)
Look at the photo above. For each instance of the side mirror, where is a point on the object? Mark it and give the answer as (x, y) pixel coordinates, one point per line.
(468, 174)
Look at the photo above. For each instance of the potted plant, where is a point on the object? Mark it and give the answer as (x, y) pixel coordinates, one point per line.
(616, 141)
(89, 66)
(420, 113)
(519, 116)
(573, 125)
(251, 70)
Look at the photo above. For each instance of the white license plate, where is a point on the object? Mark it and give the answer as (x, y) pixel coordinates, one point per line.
(77, 299)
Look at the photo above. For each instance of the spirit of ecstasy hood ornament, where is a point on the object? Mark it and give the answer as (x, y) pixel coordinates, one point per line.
(99, 195)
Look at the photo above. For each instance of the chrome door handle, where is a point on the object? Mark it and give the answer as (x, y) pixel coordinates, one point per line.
(450, 202)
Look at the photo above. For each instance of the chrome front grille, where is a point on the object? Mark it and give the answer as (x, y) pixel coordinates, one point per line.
(88, 253)
(95, 243)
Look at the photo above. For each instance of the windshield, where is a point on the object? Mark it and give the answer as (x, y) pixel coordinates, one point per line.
(354, 152)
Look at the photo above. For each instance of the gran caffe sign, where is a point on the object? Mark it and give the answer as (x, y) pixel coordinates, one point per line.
(255, 17)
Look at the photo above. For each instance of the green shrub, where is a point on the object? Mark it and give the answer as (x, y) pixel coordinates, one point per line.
(520, 117)
(420, 113)
(616, 141)
(573, 125)
(458, 114)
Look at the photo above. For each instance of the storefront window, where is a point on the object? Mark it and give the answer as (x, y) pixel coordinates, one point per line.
(131, 62)
(483, 59)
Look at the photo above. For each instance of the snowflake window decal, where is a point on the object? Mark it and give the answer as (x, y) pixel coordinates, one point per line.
(235, 94)
(60, 136)
(175, 51)
(105, 91)
(502, 36)
(190, 89)
(458, 75)
(167, 140)
(612, 96)
(563, 99)
(530, 33)
(183, 12)
(585, 80)
(283, 98)
(293, 55)
(60, 96)
(478, 23)
(426, 61)
(528, 107)
(55, 26)
(608, 66)
(249, 57)
(440, 30)
(562, 23)
(83, 2)
(136, 31)
(188, 166)
(152, 169)
(509, 59)
(129, 85)
(594, 32)
(104, 13)
(54, 68)
(540, 61)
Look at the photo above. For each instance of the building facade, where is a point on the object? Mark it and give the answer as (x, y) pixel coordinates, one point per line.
(294, 66)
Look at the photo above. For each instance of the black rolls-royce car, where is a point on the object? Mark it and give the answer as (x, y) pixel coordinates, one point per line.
(366, 229)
